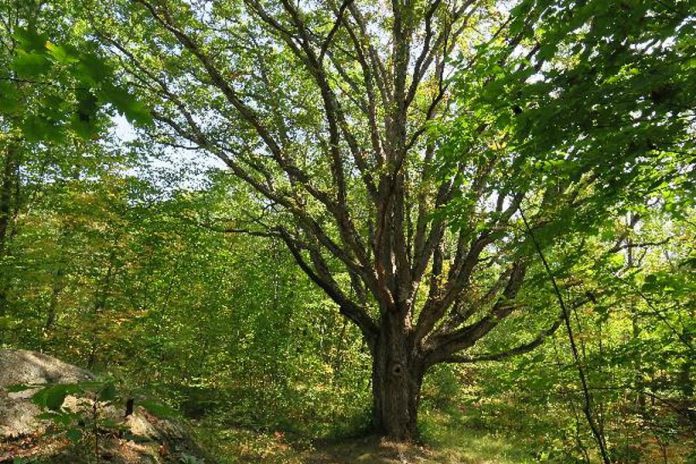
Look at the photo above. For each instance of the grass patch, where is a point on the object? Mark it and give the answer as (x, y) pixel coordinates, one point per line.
(453, 441)
(445, 441)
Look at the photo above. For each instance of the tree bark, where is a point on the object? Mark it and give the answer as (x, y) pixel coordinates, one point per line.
(7, 187)
(397, 376)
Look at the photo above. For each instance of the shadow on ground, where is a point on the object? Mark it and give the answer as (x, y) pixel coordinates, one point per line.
(369, 450)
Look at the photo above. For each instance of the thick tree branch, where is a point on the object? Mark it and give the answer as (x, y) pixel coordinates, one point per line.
(319, 276)
(501, 355)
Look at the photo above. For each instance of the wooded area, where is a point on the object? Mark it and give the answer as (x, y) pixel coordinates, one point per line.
(300, 221)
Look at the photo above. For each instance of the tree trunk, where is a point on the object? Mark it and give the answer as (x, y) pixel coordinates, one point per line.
(397, 377)
(6, 188)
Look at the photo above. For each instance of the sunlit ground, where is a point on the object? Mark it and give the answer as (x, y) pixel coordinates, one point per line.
(443, 443)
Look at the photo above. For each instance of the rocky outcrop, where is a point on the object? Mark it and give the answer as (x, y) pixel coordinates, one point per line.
(132, 437)
(30, 367)
(21, 367)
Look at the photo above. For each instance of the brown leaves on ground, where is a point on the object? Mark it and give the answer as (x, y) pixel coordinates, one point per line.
(370, 450)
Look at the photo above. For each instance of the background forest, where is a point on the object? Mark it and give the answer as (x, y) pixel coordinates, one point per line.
(132, 251)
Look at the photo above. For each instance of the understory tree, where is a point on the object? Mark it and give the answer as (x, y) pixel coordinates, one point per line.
(56, 95)
(416, 157)
(635, 341)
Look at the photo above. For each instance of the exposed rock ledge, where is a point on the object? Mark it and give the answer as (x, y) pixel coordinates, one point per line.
(144, 438)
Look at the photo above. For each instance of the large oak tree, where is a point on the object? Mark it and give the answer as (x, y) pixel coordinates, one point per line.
(393, 145)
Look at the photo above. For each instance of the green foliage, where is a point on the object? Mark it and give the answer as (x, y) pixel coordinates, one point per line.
(158, 409)
(82, 421)
(59, 85)
(580, 111)
(588, 101)
(52, 397)
(188, 459)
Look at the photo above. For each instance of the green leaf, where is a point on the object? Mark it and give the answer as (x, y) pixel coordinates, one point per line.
(36, 128)
(61, 417)
(30, 64)
(17, 388)
(92, 70)
(30, 40)
(108, 393)
(60, 54)
(126, 104)
(9, 103)
(74, 435)
(52, 397)
(158, 409)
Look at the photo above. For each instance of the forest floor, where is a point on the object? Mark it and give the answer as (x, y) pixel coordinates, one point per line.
(461, 448)
(444, 445)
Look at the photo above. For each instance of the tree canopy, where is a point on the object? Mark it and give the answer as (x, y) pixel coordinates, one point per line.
(445, 172)
(393, 148)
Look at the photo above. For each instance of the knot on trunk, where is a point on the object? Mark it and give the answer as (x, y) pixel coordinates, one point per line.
(397, 369)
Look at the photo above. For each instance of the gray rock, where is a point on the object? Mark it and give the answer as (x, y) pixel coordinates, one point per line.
(22, 367)
(29, 367)
(19, 424)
